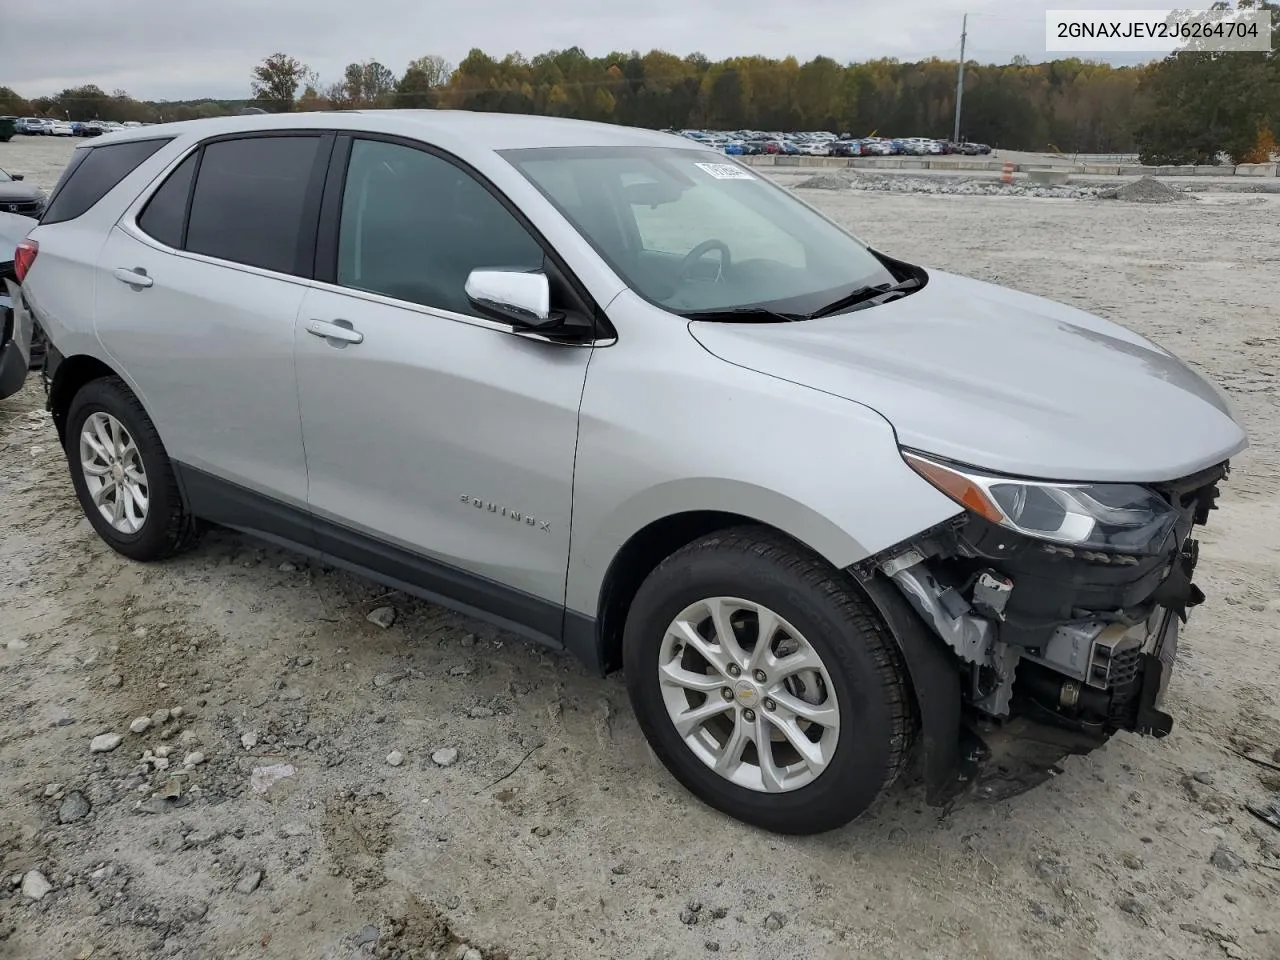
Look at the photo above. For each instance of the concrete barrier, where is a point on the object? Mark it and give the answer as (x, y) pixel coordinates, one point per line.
(1255, 170)
(1049, 175)
(1212, 170)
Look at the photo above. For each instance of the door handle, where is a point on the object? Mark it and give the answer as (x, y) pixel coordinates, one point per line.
(331, 330)
(137, 277)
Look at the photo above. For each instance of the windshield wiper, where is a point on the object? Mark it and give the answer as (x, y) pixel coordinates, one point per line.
(879, 293)
(744, 314)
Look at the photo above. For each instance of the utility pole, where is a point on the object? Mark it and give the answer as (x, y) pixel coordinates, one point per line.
(964, 32)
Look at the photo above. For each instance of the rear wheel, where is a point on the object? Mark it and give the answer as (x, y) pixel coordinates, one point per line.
(766, 682)
(122, 473)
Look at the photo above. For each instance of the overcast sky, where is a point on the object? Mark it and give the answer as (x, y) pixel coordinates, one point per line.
(173, 49)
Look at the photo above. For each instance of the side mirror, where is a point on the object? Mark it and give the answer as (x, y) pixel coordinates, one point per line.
(16, 176)
(512, 296)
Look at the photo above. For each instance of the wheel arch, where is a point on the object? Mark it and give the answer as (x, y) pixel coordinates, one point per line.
(69, 374)
(606, 571)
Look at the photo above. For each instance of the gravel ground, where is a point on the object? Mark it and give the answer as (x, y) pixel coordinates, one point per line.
(354, 772)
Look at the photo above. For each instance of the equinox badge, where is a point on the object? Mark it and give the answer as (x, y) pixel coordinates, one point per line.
(502, 511)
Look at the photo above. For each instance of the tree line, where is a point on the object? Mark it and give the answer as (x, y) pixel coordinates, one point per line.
(1189, 107)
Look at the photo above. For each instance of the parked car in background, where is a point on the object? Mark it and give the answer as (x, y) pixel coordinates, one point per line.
(845, 148)
(18, 197)
(20, 346)
(61, 128)
(32, 126)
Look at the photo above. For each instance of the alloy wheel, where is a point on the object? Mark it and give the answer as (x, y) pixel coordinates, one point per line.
(749, 695)
(113, 472)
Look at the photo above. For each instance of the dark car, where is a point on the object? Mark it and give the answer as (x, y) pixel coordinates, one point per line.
(19, 349)
(18, 197)
(845, 148)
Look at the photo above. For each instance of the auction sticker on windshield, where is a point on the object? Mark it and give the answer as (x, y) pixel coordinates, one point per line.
(725, 171)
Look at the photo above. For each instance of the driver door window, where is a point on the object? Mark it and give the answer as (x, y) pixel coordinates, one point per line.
(414, 226)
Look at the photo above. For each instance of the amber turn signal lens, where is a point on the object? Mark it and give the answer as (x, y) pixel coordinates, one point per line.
(956, 486)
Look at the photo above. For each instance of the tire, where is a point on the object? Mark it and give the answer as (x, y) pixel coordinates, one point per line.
(859, 655)
(166, 527)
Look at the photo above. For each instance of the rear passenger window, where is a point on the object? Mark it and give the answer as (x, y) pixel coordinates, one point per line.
(163, 215)
(414, 226)
(249, 200)
(92, 177)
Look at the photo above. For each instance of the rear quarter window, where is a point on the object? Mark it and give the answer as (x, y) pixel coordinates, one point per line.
(166, 211)
(93, 173)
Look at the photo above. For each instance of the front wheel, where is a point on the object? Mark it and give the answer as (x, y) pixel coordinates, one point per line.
(766, 682)
(122, 474)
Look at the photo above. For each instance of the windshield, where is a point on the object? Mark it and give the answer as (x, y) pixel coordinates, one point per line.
(4, 177)
(695, 233)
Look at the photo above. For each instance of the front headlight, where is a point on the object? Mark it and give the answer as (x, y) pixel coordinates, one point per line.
(1122, 517)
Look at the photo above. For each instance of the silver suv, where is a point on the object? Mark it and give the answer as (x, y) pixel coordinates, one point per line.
(838, 516)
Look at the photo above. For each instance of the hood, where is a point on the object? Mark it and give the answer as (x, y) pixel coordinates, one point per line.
(19, 190)
(13, 229)
(1011, 382)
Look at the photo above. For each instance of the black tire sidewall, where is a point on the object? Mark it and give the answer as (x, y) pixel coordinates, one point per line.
(106, 396)
(862, 762)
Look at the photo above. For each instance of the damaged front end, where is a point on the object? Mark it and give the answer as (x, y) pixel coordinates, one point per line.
(1061, 604)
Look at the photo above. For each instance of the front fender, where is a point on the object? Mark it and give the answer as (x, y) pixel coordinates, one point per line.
(667, 428)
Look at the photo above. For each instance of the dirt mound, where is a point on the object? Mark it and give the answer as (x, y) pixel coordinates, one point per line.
(823, 181)
(1144, 190)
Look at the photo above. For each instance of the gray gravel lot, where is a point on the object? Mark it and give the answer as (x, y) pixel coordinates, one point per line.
(552, 831)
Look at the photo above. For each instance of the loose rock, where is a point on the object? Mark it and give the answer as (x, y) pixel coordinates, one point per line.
(688, 917)
(249, 881)
(105, 743)
(1203, 776)
(140, 725)
(1131, 906)
(395, 758)
(480, 713)
(263, 777)
(382, 617)
(75, 806)
(159, 717)
(35, 886)
(774, 922)
(193, 759)
(288, 567)
(541, 831)
(248, 740)
(368, 934)
(1225, 860)
(445, 757)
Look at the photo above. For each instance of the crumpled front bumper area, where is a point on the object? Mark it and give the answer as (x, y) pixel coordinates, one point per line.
(1057, 648)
